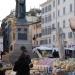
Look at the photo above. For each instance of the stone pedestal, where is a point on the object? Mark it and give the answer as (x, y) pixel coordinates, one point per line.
(23, 38)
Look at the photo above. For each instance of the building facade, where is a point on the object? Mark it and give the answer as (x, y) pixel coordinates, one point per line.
(1, 40)
(8, 27)
(36, 33)
(56, 14)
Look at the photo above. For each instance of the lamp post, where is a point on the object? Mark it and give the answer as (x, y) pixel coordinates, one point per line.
(72, 26)
(59, 40)
(61, 44)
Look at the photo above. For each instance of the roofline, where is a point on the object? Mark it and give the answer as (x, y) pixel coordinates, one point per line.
(45, 2)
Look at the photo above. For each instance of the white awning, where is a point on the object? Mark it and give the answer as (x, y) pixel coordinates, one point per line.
(69, 48)
(42, 48)
(57, 49)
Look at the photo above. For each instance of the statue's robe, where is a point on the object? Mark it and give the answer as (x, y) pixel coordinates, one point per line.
(20, 8)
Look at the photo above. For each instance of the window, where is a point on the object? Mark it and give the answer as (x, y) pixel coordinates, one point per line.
(53, 37)
(58, 24)
(50, 18)
(65, 43)
(42, 10)
(49, 40)
(41, 42)
(64, 10)
(58, 13)
(42, 20)
(43, 32)
(45, 41)
(46, 19)
(49, 30)
(54, 3)
(53, 26)
(19, 29)
(39, 34)
(53, 14)
(49, 8)
(63, 23)
(70, 34)
(25, 29)
(22, 36)
(70, 7)
(58, 2)
(46, 9)
(63, 35)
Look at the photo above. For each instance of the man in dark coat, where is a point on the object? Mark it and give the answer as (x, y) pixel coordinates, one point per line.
(22, 65)
(55, 54)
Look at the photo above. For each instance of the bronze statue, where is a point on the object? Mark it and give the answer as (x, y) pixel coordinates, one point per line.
(20, 8)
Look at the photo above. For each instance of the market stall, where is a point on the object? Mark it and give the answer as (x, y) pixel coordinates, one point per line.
(54, 66)
(42, 65)
(4, 68)
(64, 67)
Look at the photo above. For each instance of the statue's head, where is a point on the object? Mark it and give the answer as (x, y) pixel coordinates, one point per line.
(21, 1)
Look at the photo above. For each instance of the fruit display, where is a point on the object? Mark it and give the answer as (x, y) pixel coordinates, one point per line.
(66, 65)
(42, 64)
(57, 66)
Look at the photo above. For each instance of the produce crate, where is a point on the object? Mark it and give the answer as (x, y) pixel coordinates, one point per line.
(63, 73)
(58, 73)
(69, 73)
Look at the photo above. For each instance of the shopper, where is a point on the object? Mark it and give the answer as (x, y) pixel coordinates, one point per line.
(22, 65)
(55, 54)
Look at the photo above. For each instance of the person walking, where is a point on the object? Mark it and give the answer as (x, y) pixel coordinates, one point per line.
(22, 65)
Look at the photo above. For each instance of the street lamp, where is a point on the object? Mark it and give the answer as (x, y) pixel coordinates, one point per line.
(72, 26)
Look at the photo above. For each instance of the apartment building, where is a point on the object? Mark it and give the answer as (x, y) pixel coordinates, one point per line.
(36, 33)
(8, 27)
(56, 14)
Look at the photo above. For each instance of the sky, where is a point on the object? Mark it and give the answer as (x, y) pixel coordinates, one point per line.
(7, 5)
